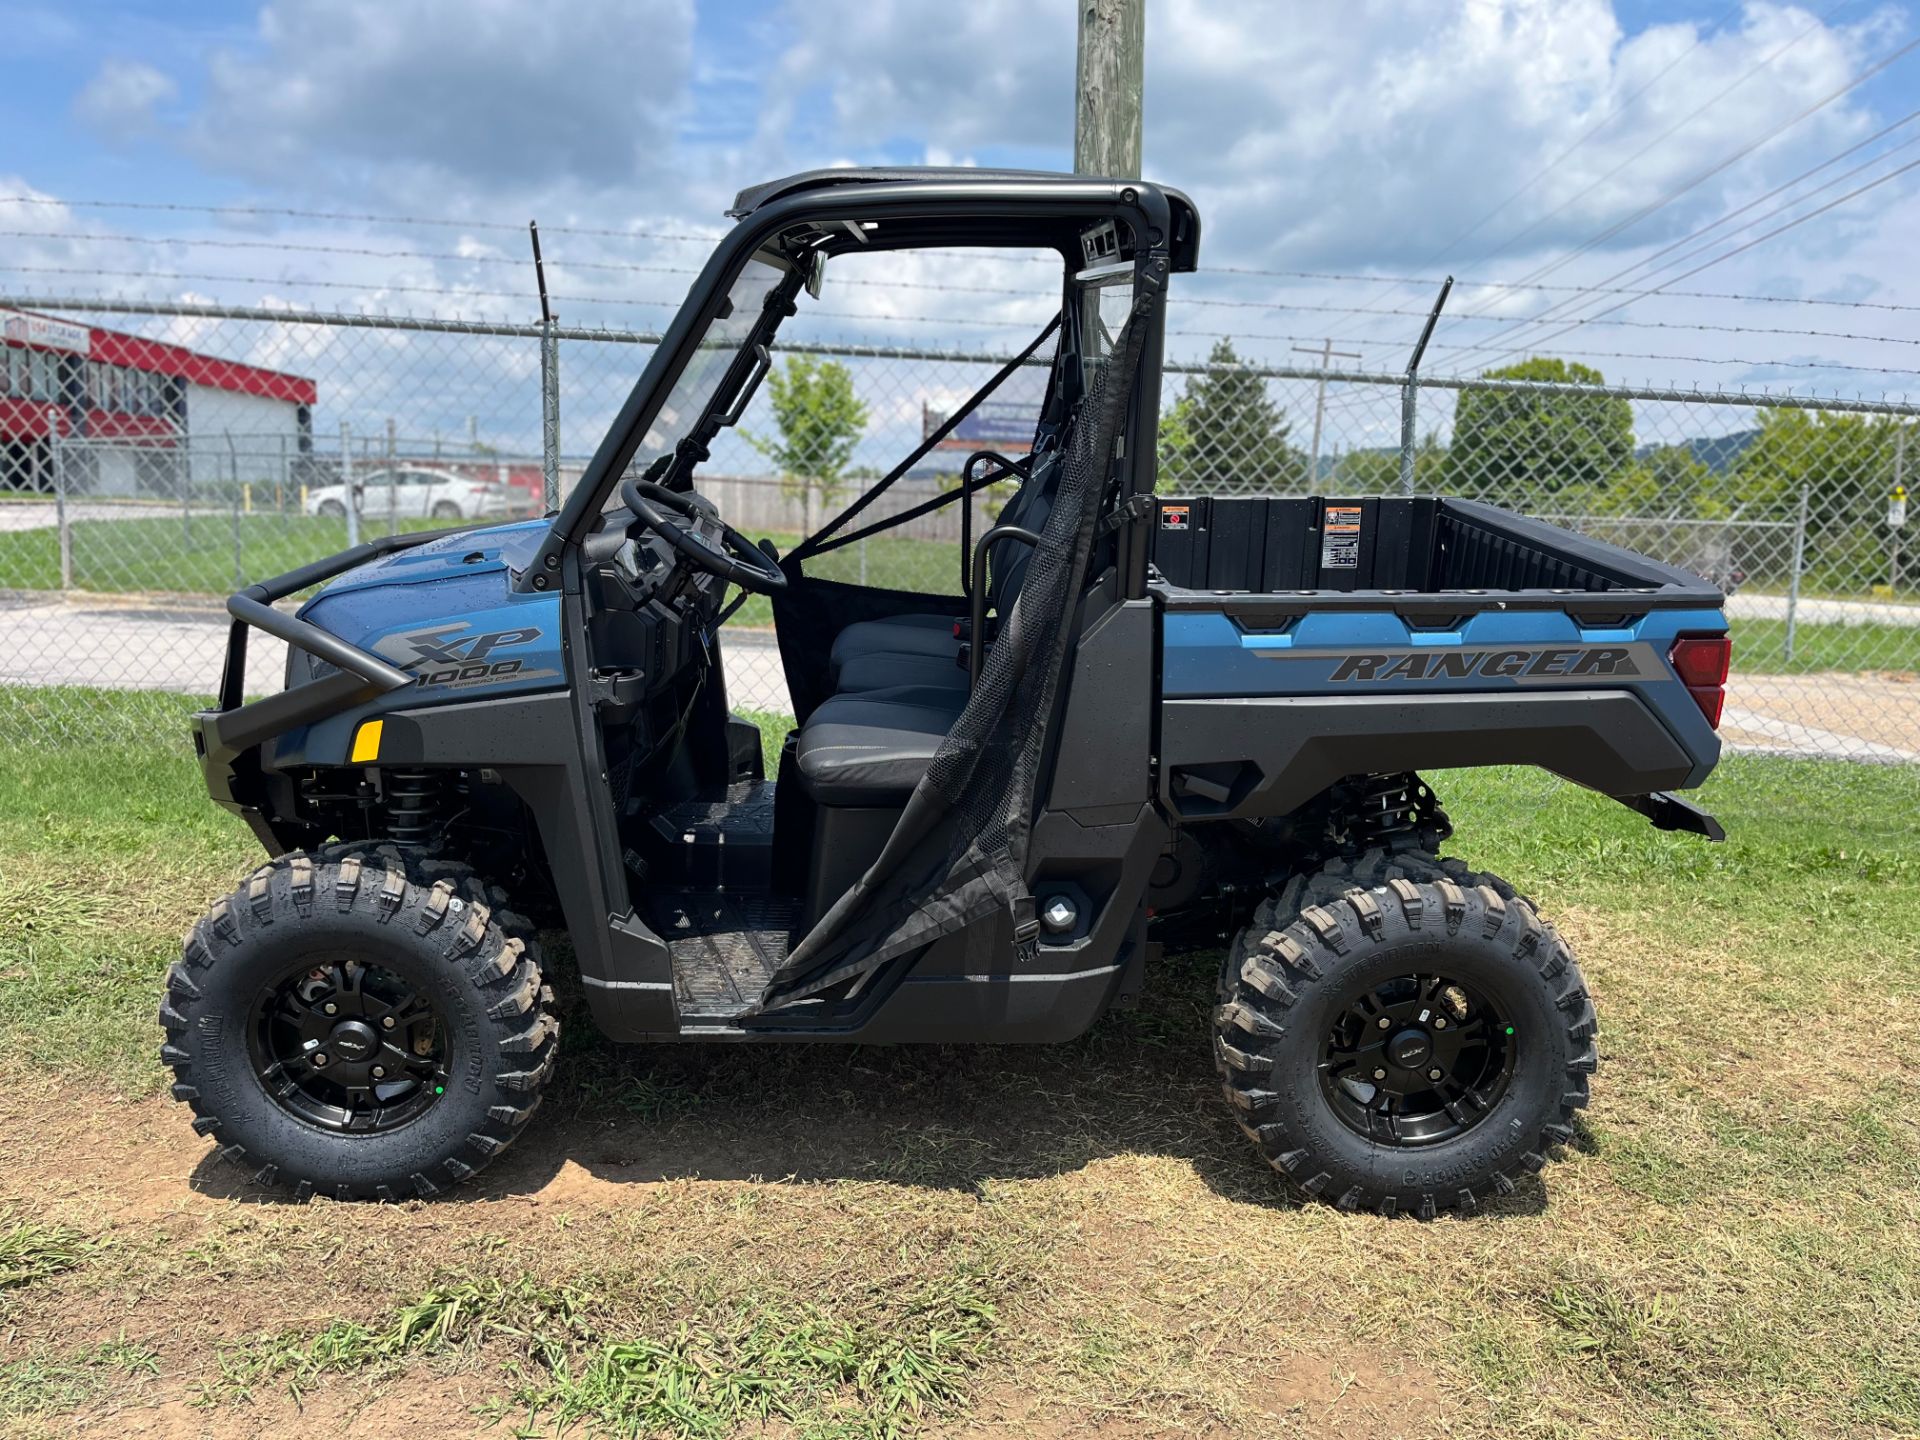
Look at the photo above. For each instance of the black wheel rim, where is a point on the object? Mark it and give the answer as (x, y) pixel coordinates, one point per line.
(348, 1047)
(1417, 1060)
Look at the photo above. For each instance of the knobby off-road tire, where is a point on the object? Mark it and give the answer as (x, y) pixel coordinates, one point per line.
(304, 915)
(1295, 976)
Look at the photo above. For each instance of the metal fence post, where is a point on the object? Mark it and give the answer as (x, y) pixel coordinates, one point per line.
(1893, 530)
(1409, 428)
(550, 414)
(346, 485)
(549, 381)
(1799, 556)
(1409, 391)
(233, 483)
(393, 483)
(58, 455)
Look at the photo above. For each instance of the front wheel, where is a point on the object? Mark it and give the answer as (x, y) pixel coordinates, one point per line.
(350, 1025)
(1402, 1034)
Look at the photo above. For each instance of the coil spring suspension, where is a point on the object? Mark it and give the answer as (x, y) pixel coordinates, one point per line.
(1389, 812)
(413, 804)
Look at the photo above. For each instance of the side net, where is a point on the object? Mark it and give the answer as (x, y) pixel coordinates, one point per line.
(958, 853)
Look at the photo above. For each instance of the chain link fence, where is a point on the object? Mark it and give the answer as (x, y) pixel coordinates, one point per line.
(155, 457)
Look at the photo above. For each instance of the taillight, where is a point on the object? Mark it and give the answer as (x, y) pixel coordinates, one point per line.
(1701, 663)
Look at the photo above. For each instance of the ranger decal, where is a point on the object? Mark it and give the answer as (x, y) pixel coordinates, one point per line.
(1514, 665)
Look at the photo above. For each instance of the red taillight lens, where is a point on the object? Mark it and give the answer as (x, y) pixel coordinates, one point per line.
(1701, 663)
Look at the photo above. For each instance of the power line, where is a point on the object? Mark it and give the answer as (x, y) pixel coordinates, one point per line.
(1678, 125)
(1606, 120)
(1757, 240)
(1733, 159)
(1649, 264)
(1653, 265)
(1551, 165)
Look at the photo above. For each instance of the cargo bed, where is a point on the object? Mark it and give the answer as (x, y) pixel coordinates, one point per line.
(1287, 555)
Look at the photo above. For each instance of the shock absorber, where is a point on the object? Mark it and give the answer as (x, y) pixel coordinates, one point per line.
(1390, 812)
(413, 805)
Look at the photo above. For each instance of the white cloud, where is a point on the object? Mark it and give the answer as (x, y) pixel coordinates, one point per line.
(452, 102)
(1371, 128)
(121, 99)
(1357, 138)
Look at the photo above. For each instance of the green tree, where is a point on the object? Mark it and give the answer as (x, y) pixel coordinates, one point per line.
(1523, 449)
(820, 420)
(1227, 433)
(1671, 482)
(1845, 465)
(1377, 472)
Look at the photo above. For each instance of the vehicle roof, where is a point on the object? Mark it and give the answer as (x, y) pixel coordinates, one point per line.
(755, 197)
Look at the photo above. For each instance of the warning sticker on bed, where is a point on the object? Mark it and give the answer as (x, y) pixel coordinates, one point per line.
(1175, 517)
(1340, 538)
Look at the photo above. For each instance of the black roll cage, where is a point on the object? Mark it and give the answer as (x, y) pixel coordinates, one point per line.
(836, 211)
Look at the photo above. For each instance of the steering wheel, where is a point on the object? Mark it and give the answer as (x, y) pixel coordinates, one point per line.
(741, 563)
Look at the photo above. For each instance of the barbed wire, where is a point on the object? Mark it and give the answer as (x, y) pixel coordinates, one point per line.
(553, 262)
(936, 321)
(1755, 362)
(284, 212)
(1289, 306)
(1211, 272)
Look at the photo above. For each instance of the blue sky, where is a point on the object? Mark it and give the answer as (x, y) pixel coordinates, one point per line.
(1358, 138)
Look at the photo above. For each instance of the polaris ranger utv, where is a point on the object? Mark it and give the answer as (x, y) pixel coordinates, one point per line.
(1143, 722)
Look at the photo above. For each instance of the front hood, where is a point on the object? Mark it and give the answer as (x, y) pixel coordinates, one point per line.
(471, 552)
(447, 613)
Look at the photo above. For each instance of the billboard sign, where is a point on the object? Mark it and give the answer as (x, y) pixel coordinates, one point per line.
(44, 332)
(1003, 425)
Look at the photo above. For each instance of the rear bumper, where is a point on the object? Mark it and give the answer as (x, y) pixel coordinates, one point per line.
(1244, 758)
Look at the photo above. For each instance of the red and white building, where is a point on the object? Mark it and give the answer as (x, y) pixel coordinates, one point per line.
(125, 396)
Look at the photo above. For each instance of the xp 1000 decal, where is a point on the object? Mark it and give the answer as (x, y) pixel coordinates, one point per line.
(453, 657)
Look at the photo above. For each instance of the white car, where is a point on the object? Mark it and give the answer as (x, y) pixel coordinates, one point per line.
(409, 492)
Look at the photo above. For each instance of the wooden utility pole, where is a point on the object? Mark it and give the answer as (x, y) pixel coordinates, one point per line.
(1327, 356)
(1107, 85)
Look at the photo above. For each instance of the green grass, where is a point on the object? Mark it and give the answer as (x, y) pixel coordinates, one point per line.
(1760, 648)
(196, 555)
(733, 1362)
(31, 1250)
(52, 1381)
(716, 1240)
(211, 555)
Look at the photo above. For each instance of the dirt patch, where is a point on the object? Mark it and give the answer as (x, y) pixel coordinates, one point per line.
(1341, 1395)
(409, 1403)
(1351, 1395)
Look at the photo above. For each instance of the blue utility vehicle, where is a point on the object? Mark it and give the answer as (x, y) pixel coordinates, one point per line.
(1140, 722)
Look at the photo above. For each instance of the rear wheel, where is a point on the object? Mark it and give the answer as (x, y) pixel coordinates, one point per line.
(349, 1025)
(446, 510)
(332, 510)
(1402, 1034)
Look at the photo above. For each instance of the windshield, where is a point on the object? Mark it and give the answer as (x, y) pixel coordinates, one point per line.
(694, 392)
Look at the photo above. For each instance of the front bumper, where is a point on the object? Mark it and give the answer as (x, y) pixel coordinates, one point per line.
(228, 738)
